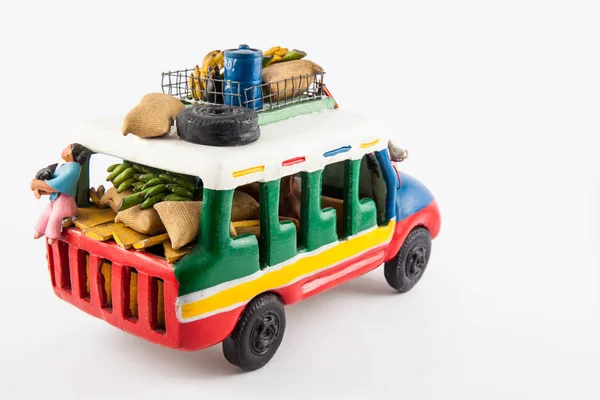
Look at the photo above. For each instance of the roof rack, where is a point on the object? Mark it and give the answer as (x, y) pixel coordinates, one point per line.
(276, 96)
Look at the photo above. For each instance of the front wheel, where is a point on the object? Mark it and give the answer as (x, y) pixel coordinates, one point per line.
(404, 271)
(257, 335)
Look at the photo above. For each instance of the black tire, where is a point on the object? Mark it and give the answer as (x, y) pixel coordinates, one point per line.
(218, 125)
(257, 335)
(406, 269)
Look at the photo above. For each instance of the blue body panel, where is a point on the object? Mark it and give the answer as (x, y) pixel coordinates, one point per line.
(391, 180)
(404, 198)
(412, 197)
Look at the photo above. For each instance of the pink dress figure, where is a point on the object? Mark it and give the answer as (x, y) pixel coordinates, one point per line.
(62, 188)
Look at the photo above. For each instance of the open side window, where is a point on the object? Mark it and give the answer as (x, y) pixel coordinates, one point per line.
(373, 185)
(359, 213)
(348, 188)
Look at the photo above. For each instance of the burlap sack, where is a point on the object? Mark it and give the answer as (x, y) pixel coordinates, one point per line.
(145, 221)
(244, 207)
(112, 199)
(300, 75)
(153, 117)
(253, 189)
(182, 221)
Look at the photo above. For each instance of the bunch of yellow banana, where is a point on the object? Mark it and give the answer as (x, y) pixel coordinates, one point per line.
(275, 54)
(197, 79)
(279, 54)
(194, 83)
(211, 60)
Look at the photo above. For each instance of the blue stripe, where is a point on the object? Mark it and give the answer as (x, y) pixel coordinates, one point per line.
(337, 151)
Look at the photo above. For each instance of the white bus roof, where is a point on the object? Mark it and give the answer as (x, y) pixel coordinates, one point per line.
(303, 143)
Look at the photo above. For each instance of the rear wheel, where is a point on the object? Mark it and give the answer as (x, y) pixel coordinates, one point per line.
(406, 269)
(258, 333)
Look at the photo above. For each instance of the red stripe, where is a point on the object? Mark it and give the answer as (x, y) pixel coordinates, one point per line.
(293, 161)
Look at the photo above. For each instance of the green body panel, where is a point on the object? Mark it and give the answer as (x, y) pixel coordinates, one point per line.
(293, 110)
(317, 226)
(358, 214)
(217, 258)
(277, 239)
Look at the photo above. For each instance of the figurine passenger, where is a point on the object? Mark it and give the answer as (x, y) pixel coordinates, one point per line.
(61, 185)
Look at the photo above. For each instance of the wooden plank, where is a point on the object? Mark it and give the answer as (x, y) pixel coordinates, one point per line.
(151, 241)
(173, 255)
(255, 230)
(250, 222)
(102, 232)
(88, 217)
(126, 237)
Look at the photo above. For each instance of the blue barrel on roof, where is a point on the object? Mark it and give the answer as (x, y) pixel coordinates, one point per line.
(243, 77)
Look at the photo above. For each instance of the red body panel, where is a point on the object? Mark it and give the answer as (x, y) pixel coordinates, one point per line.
(207, 331)
(66, 262)
(429, 217)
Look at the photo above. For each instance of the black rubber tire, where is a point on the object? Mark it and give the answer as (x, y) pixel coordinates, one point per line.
(258, 333)
(406, 269)
(218, 125)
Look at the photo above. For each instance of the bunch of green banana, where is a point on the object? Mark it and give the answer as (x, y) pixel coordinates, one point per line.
(121, 176)
(151, 185)
(182, 187)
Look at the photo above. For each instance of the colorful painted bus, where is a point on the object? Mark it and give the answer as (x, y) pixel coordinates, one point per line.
(356, 211)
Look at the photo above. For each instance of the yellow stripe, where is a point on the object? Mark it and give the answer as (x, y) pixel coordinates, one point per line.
(373, 143)
(277, 278)
(248, 171)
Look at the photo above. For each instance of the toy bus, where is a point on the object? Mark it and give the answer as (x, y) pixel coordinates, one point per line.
(357, 212)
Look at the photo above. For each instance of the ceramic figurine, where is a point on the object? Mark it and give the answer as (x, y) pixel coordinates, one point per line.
(61, 185)
(208, 233)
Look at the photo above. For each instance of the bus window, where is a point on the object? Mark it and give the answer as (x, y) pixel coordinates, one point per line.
(372, 185)
(245, 210)
(334, 180)
(359, 214)
(332, 192)
(289, 197)
(349, 188)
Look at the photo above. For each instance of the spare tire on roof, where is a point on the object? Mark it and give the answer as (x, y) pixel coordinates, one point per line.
(218, 125)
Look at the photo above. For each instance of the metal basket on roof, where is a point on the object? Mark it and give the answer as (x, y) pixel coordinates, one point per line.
(293, 90)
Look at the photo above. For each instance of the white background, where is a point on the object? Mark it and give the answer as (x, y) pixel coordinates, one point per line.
(498, 103)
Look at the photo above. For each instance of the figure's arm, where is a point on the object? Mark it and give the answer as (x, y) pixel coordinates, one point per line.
(37, 184)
